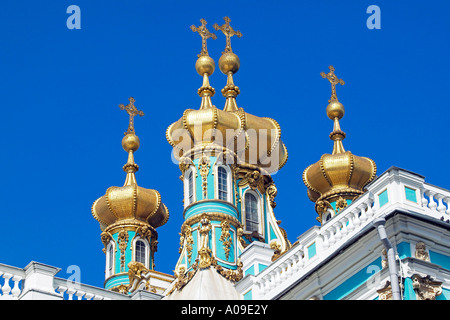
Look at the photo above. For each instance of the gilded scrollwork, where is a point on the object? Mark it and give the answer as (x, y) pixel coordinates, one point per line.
(225, 238)
(204, 165)
(426, 288)
(123, 242)
(204, 250)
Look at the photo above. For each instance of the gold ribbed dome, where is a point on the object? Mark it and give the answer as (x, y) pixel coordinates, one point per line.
(130, 203)
(254, 140)
(340, 175)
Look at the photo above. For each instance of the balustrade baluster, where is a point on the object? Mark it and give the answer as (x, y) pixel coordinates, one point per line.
(6, 287)
(16, 290)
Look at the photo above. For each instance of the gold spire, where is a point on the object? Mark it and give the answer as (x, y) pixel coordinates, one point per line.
(205, 65)
(334, 81)
(130, 142)
(132, 112)
(205, 34)
(229, 64)
(335, 111)
(228, 31)
(341, 176)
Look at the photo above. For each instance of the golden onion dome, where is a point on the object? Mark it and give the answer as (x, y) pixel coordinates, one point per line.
(130, 203)
(341, 174)
(254, 140)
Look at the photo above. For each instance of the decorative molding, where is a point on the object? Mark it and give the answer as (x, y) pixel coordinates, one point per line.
(426, 288)
(225, 237)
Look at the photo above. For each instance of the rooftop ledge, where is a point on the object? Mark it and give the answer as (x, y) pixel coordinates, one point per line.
(395, 189)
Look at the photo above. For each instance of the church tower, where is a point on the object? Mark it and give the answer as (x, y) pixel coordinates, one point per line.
(337, 179)
(128, 217)
(226, 157)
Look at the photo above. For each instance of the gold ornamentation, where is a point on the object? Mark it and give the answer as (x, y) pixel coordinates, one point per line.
(339, 174)
(232, 275)
(225, 237)
(204, 251)
(228, 31)
(384, 259)
(132, 112)
(205, 34)
(334, 81)
(277, 249)
(272, 193)
(106, 239)
(189, 241)
(204, 166)
(121, 288)
(123, 242)
(421, 251)
(252, 179)
(426, 288)
(385, 293)
(136, 272)
(340, 204)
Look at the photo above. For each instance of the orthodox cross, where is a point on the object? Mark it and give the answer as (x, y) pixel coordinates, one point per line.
(228, 31)
(205, 34)
(334, 81)
(132, 111)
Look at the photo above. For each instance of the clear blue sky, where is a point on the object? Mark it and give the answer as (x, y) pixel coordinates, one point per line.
(62, 128)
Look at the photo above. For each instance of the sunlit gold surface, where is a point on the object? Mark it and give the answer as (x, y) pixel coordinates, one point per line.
(255, 140)
(130, 202)
(340, 175)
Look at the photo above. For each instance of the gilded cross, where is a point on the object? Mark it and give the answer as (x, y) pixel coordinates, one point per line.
(132, 111)
(334, 81)
(205, 34)
(228, 31)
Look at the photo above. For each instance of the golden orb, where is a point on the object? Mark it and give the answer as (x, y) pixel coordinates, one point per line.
(130, 142)
(229, 62)
(205, 64)
(335, 110)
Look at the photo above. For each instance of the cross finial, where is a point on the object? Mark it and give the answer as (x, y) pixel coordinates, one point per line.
(132, 111)
(228, 31)
(205, 34)
(334, 81)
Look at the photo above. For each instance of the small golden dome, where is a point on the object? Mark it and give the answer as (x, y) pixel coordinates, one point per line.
(229, 62)
(339, 176)
(130, 203)
(205, 64)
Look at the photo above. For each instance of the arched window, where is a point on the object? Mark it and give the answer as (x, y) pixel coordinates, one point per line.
(139, 253)
(189, 186)
(251, 212)
(222, 183)
(110, 260)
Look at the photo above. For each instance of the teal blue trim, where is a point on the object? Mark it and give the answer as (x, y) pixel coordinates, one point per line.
(383, 198)
(220, 250)
(410, 194)
(117, 280)
(272, 233)
(404, 250)
(248, 295)
(440, 259)
(250, 270)
(261, 267)
(333, 204)
(352, 283)
(312, 250)
(210, 206)
(409, 293)
(445, 295)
